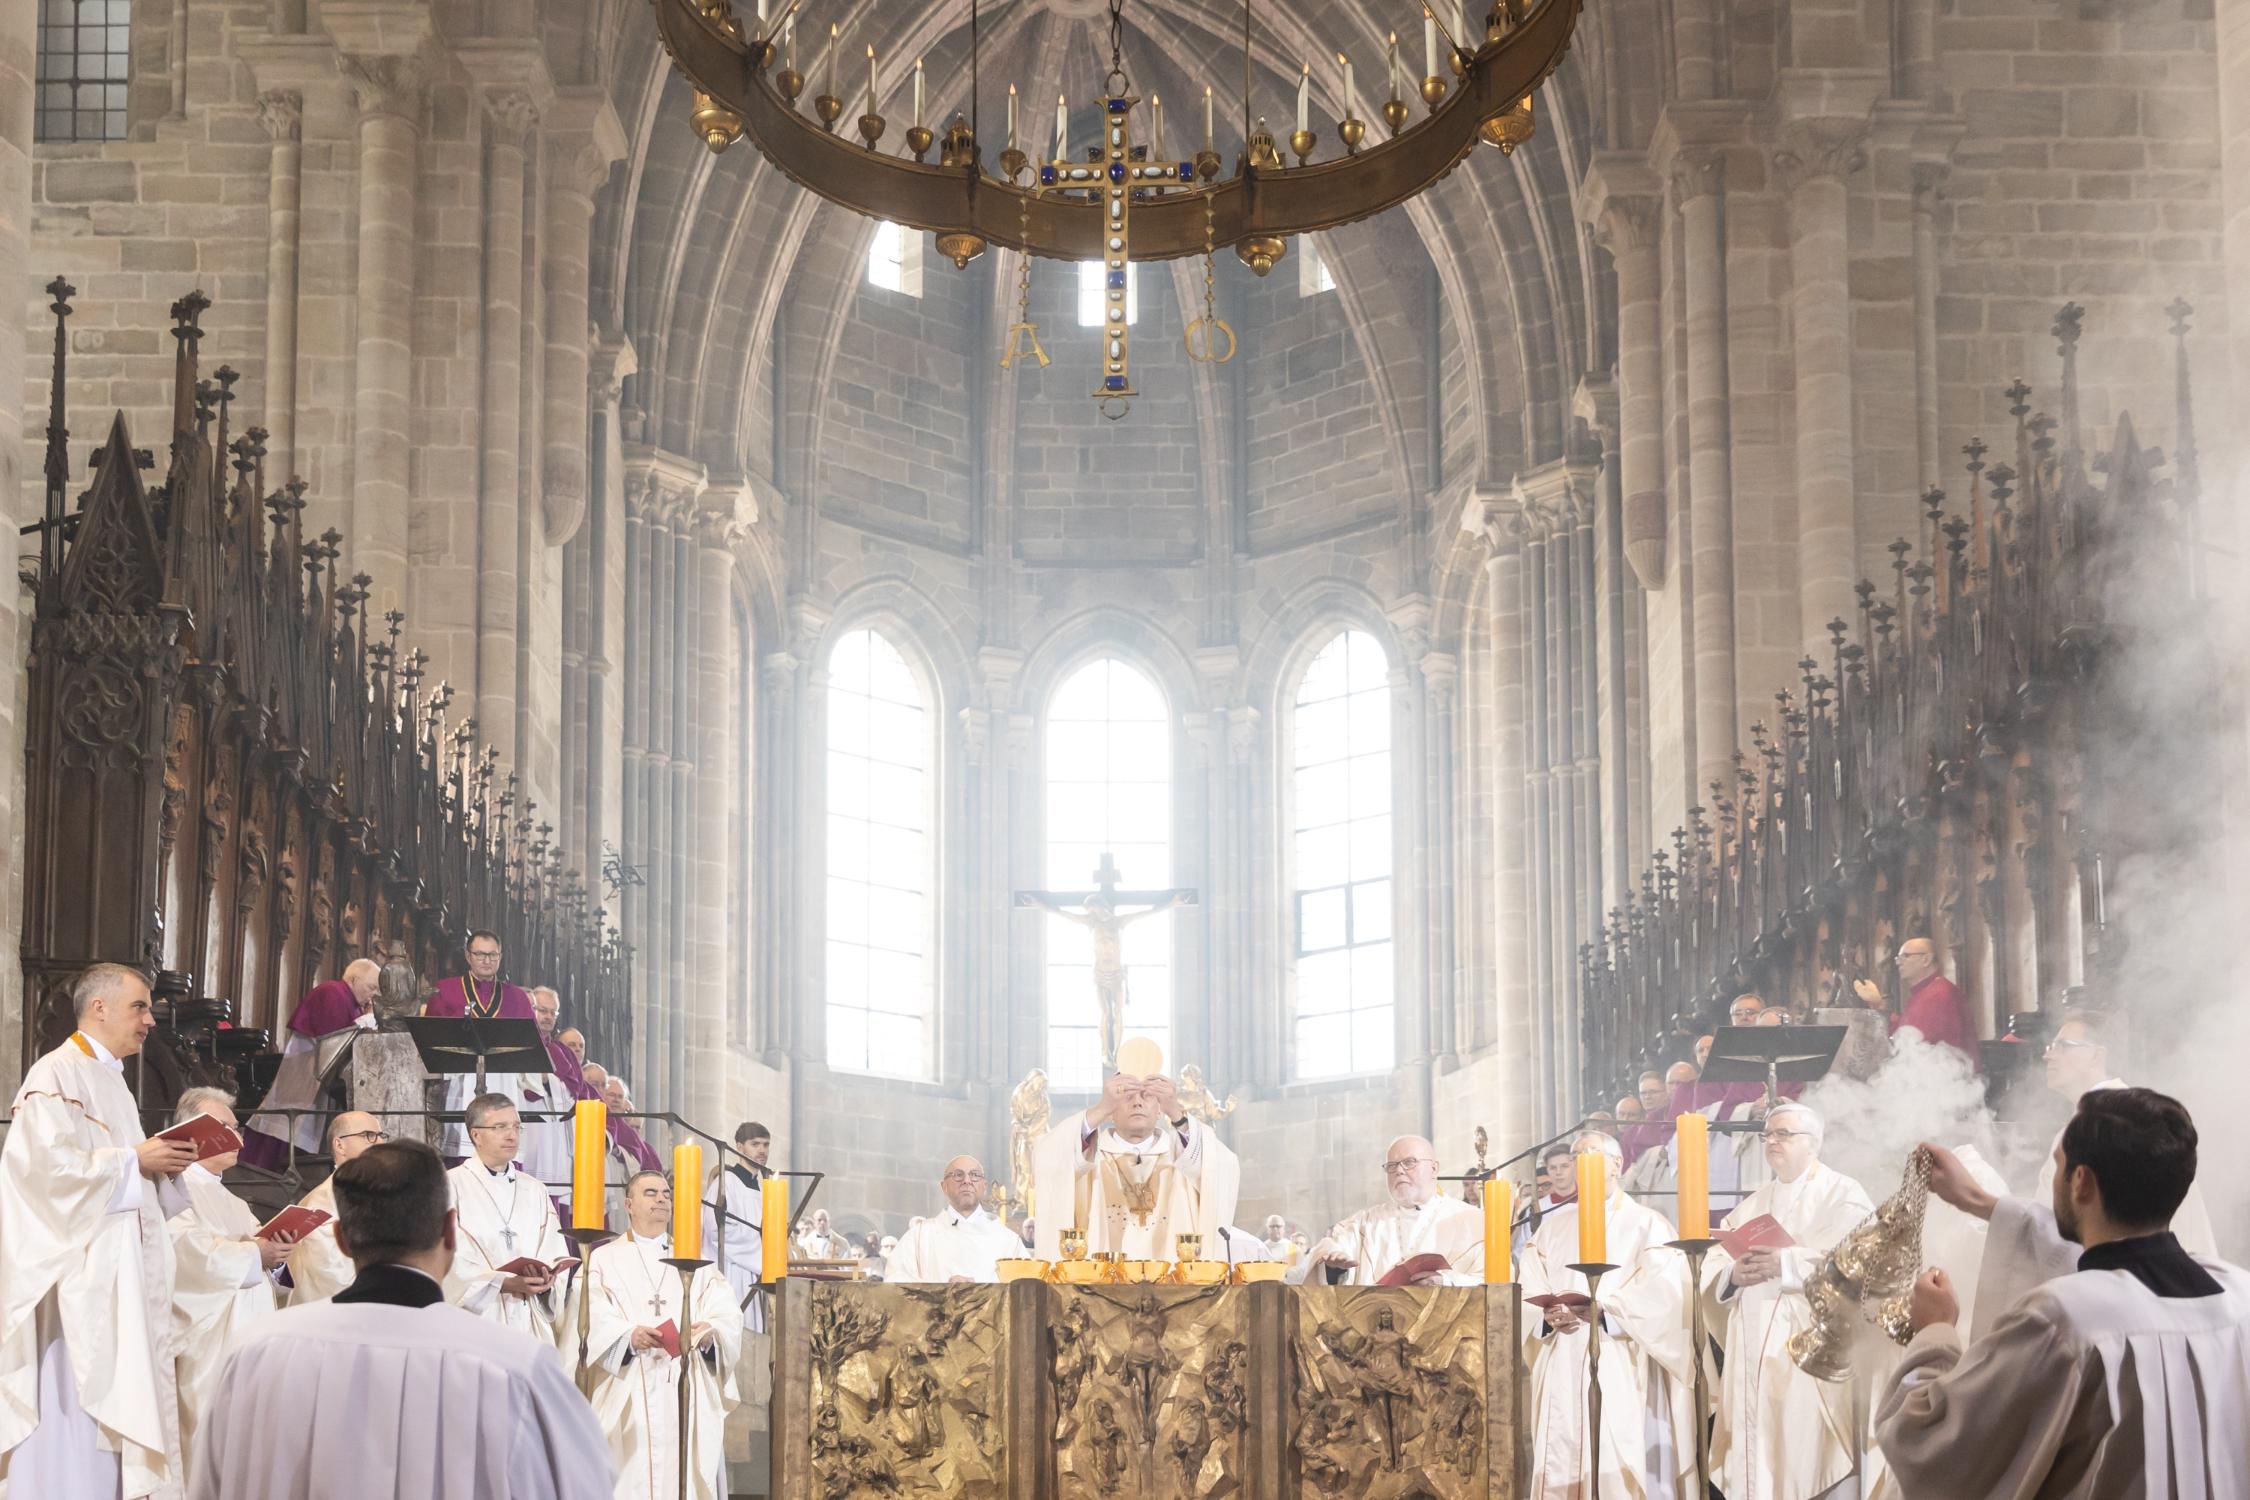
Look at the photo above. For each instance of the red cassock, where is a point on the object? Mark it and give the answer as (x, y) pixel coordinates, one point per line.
(451, 998)
(1938, 1010)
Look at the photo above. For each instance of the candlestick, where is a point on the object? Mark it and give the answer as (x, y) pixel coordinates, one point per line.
(1206, 117)
(1694, 1153)
(773, 1229)
(1499, 1199)
(589, 1158)
(1429, 43)
(1593, 1207)
(1394, 65)
(1156, 128)
(789, 42)
(761, 17)
(1304, 98)
(835, 40)
(1351, 93)
(917, 91)
(1062, 129)
(1011, 117)
(687, 1200)
(1460, 37)
(1594, 1271)
(1695, 1249)
(871, 79)
(687, 1266)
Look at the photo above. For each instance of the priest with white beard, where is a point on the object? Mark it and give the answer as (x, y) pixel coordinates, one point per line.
(1133, 1171)
(387, 1393)
(1781, 1434)
(503, 1214)
(86, 1379)
(2130, 1376)
(960, 1243)
(636, 1384)
(222, 1282)
(1419, 1220)
(1647, 1370)
(2024, 1247)
(318, 1266)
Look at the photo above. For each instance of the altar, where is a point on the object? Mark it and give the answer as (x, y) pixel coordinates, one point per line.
(1028, 1390)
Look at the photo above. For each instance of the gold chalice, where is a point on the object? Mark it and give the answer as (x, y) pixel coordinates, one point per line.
(1021, 1268)
(1259, 1270)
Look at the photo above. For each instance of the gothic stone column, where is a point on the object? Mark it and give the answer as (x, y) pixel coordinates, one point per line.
(585, 142)
(1516, 1033)
(511, 114)
(1697, 185)
(281, 112)
(1812, 162)
(389, 89)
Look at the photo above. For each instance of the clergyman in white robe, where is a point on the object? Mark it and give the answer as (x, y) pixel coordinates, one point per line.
(503, 1215)
(86, 1377)
(953, 1246)
(318, 1269)
(1133, 1184)
(1418, 1220)
(2126, 1378)
(221, 1290)
(1782, 1434)
(372, 1401)
(636, 1392)
(1647, 1375)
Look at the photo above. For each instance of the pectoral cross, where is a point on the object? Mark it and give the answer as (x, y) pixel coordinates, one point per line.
(508, 1236)
(1113, 177)
(656, 1304)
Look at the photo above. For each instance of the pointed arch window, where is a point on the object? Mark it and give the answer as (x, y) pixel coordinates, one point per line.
(1340, 852)
(1108, 791)
(880, 988)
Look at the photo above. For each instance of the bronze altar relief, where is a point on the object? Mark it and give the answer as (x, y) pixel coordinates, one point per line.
(905, 1396)
(1387, 1394)
(1148, 1385)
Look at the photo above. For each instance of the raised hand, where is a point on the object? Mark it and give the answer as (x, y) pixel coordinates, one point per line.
(1164, 1094)
(1117, 1090)
(1952, 1184)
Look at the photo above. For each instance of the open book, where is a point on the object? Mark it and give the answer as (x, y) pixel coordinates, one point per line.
(206, 1134)
(1405, 1272)
(1762, 1233)
(294, 1222)
(532, 1265)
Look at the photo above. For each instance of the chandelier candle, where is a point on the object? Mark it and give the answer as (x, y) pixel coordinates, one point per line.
(589, 1157)
(1062, 128)
(1695, 1176)
(1011, 117)
(1351, 92)
(835, 40)
(1499, 1201)
(1156, 128)
(1304, 98)
(1394, 65)
(917, 91)
(1207, 117)
(871, 79)
(1593, 1207)
(687, 1202)
(1429, 44)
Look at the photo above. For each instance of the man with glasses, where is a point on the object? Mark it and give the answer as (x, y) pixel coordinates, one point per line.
(503, 1215)
(318, 1266)
(482, 994)
(960, 1243)
(1417, 1221)
(1781, 1432)
(1935, 1010)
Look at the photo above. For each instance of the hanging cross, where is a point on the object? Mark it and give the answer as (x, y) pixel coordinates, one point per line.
(1116, 171)
(508, 1236)
(656, 1304)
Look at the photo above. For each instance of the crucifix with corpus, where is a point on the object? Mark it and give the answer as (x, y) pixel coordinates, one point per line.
(1097, 911)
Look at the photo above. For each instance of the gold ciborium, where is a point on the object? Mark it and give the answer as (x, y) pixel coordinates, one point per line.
(1074, 1269)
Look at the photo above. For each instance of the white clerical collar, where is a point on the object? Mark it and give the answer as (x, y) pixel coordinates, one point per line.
(198, 1173)
(505, 1173)
(660, 1241)
(956, 1219)
(100, 1054)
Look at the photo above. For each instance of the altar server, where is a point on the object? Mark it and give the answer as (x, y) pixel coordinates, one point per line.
(636, 1306)
(1418, 1220)
(318, 1266)
(961, 1243)
(1133, 1171)
(86, 1378)
(386, 1393)
(2130, 1376)
(504, 1215)
(222, 1283)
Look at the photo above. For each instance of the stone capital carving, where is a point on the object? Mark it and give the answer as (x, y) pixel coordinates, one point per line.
(609, 361)
(1556, 495)
(386, 83)
(514, 112)
(1621, 201)
(1242, 733)
(282, 113)
(584, 139)
(1441, 671)
(976, 733)
(777, 673)
(1697, 174)
(1809, 150)
(1019, 737)
(1494, 517)
(1594, 402)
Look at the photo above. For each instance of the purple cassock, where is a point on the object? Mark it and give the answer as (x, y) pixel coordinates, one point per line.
(328, 1007)
(567, 1068)
(452, 996)
(628, 1140)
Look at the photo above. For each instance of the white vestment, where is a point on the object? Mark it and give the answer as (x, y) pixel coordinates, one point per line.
(296, 1086)
(636, 1393)
(2024, 1248)
(546, 1106)
(1132, 1197)
(371, 1401)
(740, 1252)
(86, 1377)
(1781, 1434)
(2092, 1388)
(319, 1270)
(220, 1291)
(1376, 1239)
(1647, 1374)
(950, 1244)
(501, 1216)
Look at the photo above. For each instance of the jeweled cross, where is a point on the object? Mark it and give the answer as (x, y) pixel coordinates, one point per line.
(1113, 178)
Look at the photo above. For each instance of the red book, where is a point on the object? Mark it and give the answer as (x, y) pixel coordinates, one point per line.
(1405, 1271)
(206, 1134)
(296, 1221)
(525, 1265)
(669, 1332)
(1762, 1233)
(1577, 1302)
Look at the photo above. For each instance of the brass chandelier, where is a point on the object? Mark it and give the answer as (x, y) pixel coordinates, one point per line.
(1128, 194)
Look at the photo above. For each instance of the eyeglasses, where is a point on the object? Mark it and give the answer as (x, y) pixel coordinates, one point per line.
(2062, 1043)
(377, 1136)
(491, 953)
(1781, 1135)
(503, 1125)
(1904, 954)
(963, 1177)
(1405, 1165)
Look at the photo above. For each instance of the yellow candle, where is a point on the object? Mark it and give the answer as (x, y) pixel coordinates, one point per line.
(1593, 1208)
(773, 1229)
(687, 1202)
(1498, 1202)
(589, 1157)
(1695, 1176)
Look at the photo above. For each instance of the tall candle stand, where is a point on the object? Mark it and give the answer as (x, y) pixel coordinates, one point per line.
(688, 1355)
(584, 1241)
(1593, 1271)
(1695, 1250)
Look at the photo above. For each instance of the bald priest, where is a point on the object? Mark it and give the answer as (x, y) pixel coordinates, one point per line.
(961, 1242)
